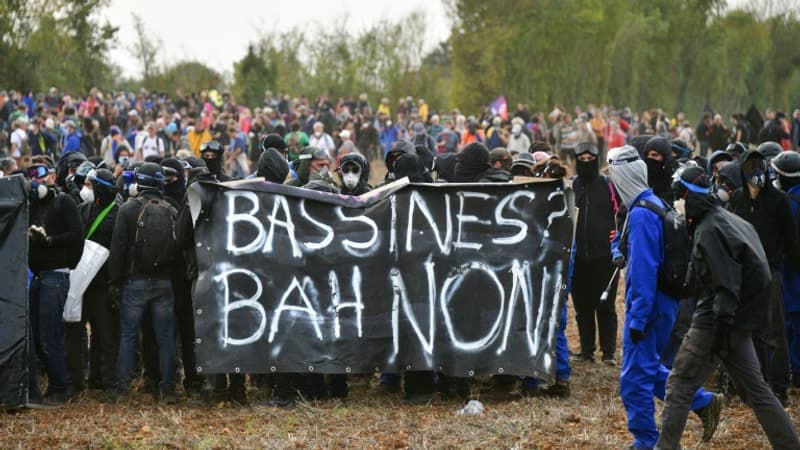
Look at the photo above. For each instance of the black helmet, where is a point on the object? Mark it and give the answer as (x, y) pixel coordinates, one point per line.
(211, 146)
(103, 185)
(736, 149)
(770, 150)
(787, 164)
(273, 141)
(149, 175)
(586, 147)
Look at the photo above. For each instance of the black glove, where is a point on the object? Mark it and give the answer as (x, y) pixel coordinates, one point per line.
(114, 296)
(721, 340)
(636, 335)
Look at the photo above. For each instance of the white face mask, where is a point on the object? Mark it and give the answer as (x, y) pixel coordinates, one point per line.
(41, 191)
(723, 195)
(133, 190)
(318, 133)
(351, 179)
(87, 194)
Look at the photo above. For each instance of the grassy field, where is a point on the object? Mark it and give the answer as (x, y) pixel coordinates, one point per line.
(593, 417)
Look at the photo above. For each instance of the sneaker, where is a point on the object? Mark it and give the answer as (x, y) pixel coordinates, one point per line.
(710, 416)
(609, 361)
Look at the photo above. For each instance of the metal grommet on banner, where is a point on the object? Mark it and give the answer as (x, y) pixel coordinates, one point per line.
(441, 369)
(471, 373)
(273, 369)
(310, 368)
(347, 370)
(199, 369)
(236, 369)
(408, 367)
(500, 370)
(199, 311)
(199, 244)
(198, 341)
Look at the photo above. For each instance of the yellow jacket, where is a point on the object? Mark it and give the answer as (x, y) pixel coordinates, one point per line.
(196, 139)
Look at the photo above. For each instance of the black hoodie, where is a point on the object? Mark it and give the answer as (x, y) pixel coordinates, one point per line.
(473, 161)
(362, 186)
(770, 214)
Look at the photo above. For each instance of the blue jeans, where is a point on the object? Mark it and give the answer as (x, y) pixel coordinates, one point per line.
(47, 296)
(137, 295)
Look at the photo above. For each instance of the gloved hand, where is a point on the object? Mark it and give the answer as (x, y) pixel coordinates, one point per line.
(38, 236)
(721, 339)
(114, 296)
(636, 335)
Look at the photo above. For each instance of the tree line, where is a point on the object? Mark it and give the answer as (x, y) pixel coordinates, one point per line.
(680, 55)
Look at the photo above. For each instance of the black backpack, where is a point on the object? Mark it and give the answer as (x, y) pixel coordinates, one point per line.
(677, 250)
(155, 243)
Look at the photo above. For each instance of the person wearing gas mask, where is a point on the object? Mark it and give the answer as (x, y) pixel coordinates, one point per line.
(658, 157)
(787, 169)
(65, 171)
(319, 169)
(98, 214)
(768, 209)
(354, 172)
(55, 246)
(212, 154)
(597, 203)
(728, 179)
(728, 273)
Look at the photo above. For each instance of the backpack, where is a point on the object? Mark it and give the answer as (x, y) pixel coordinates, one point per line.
(155, 242)
(677, 249)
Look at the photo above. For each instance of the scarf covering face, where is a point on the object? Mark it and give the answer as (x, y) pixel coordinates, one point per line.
(628, 173)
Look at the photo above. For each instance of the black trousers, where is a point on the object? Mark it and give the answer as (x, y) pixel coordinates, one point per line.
(590, 279)
(184, 319)
(771, 342)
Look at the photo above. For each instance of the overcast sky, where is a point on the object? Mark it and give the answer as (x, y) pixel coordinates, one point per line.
(217, 32)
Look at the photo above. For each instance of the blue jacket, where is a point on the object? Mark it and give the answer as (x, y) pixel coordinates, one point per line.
(791, 274)
(388, 136)
(72, 144)
(643, 301)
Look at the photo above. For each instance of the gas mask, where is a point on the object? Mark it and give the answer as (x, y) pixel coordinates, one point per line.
(351, 179)
(133, 190)
(87, 194)
(39, 190)
(756, 178)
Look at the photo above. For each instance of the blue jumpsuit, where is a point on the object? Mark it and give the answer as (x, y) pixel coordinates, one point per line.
(649, 310)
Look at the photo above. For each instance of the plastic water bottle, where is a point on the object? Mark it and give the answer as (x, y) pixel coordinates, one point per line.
(472, 408)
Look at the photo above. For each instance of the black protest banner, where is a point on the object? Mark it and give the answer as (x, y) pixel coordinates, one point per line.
(14, 296)
(461, 278)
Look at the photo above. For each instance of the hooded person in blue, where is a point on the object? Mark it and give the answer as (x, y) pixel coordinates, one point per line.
(649, 312)
(787, 169)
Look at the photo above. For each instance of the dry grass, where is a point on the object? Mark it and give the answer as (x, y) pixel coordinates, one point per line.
(593, 417)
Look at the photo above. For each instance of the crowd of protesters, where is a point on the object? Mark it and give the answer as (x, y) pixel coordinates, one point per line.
(113, 167)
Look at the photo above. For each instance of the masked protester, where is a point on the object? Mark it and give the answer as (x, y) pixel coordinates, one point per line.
(768, 210)
(444, 165)
(272, 166)
(398, 149)
(142, 251)
(596, 228)
(728, 272)
(319, 169)
(473, 162)
(55, 246)
(787, 169)
(212, 154)
(354, 172)
(658, 157)
(411, 166)
(522, 165)
(649, 312)
(500, 163)
(728, 179)
(98, 215)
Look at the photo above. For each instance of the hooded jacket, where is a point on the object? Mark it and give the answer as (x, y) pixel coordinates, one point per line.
(728, 270)
(58, 215)
(401, 147)
(597, 205)
(770, 214)
(362, 186)
(473, 161)
(272, 166)
(102, 234)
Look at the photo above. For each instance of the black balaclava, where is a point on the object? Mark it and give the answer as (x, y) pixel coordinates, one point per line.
(659, 173)
(445, 166)
(587, 170)
(104, 188)
(410, 166)
(473, 161)
(214, 165)
(695, 188)
(175, 189)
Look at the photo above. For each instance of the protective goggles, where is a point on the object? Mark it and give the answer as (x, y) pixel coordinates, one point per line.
(92, 177)
(39, 171)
